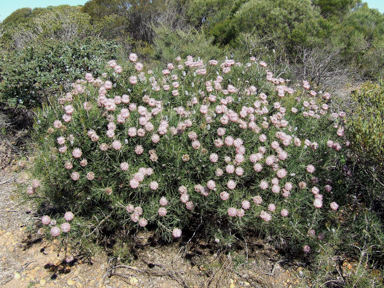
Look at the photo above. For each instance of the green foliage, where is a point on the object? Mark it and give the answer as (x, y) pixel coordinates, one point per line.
(169, 44)
(31, 75)
(336, 9)
(62, 23)
(367, 121)
(18, 16)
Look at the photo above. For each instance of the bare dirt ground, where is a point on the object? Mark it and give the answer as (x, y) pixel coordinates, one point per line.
(27, 261)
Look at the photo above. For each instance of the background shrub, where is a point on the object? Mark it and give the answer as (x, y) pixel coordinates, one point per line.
(29, 75)
(366, 124)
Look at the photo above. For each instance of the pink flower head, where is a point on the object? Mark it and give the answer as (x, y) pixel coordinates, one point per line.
(138, 210)
(284, 212)
(263, 64)
(245, 204)
(312, 233)
(35, 183)
(196, 144)
(211, 184)
(135, 217)
(258, 200)
(240, 212)
(192, 135)
(139, 149)
(61, 140)
(162, 211)
(154, 185)
(133, 57)
(69, 109)
(270, 160)
(139, 66)
(118, 69)
(75, 176)
(263, 184)
(203, 109)
(281, 173)
(224, 195)
(184, 198)
(45, 220)
(176, 233)
(315, 190)
(30, 190)
(275, 181)
(111, 63)
(318, 203)
(155, 138)
(139, 176)
(65, 227)
(90, 176)
(328, 188)
(265, 216)
(229, 141)
(143, 222)
(116, 145)
(258, 167)
(77, 153)
(68, 216)
(110, 133)
(239, 158)
(221, 131)
(63, 149)
(57, 124)
(306, 249)
(218, 143)
(219, 172)
(288, 186)
(334, 206)
(133, 80)
(239, 171)
(134, 183)
(67, 118)
(55, 231)
(275, 145)
(275, 188)
(231, 184)
(108, 85)
(271, 207)
(230, 169)
(124, 166)
(262, 138)
(232, 212)
(163, 201)
(214, 157)
(310, 168)
(132, 132)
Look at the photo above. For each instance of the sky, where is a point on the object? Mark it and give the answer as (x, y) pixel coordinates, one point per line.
(8, 6)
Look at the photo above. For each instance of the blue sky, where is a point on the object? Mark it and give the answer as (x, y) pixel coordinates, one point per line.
(8, 6)
(378, 4)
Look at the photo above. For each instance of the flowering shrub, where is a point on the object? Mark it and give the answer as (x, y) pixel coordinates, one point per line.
(226, 143)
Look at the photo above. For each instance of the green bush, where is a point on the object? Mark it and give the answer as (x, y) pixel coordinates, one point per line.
(197, 146)
(29, 75)
(366, 124)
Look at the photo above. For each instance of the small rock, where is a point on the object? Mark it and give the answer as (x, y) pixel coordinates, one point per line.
(133, 281)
